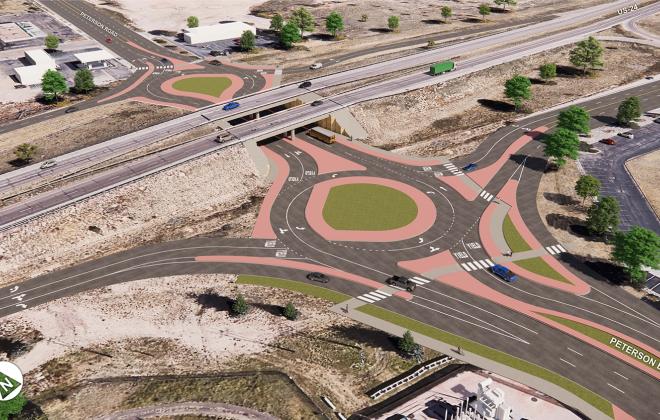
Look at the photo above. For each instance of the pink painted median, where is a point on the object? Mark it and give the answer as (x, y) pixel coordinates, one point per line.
(262, 227)
(326, 162)
(426, 212)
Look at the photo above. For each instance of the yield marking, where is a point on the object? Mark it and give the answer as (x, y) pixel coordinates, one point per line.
(615, 388)
(270, 244)
(617, 373)
(281, 253)
(566, 362)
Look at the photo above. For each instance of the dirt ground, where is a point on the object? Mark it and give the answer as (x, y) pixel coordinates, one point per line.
(191, 199)
(69, 132)
(644, 170)
(180, 325)
(453, 117)
(651, 24)
(8, 7)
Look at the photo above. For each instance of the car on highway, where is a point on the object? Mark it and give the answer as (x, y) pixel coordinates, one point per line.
(504, 273)
(221, 138)
(627, 135)
(71, 109)
(48, 164)
(316, 276)
(108, 40)
(230, 105)
(316, 66)
(305, 84)
(317, 103)
(611, 142)
(469, 167)
(401, 282)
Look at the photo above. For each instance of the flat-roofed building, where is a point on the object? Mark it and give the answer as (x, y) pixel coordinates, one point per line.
(41, 62)
(95, 59)
(218, 32)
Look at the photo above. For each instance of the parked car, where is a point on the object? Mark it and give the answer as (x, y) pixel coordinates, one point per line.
(71, 109)
(503, 272)
(627, 135)
(48, 164)
(316, 66)
(317, 103)
(320, 277)
(305, 84)
(470, 167)
(230, 105)
(611, 142)
(401, 282)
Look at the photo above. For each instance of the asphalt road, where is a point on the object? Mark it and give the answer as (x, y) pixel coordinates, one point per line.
(609, 167)
(435, 303)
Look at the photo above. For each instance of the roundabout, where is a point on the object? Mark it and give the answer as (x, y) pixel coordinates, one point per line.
(214, 88)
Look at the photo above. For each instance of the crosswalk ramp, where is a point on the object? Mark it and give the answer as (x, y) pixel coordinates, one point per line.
(453, 169)
(486, 195)
(477, 265)
(555, 249)
(420, 280)
(374, 296)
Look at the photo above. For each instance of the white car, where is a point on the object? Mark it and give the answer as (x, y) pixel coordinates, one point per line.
(316, 66)
(48, 164)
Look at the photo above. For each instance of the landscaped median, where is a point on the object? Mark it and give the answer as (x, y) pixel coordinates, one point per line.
(513, 237)
(495, 355)
(539, 266)
(295, 286)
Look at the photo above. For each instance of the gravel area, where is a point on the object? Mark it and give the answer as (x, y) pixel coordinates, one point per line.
(644, 171)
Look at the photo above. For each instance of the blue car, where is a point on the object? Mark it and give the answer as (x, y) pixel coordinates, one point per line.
(503, 272)
(470, 167)
(230, 105)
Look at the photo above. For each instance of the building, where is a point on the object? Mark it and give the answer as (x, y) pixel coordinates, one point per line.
(490, 402)
(95, 59)
(40, 62)
(219, 32)
(13, 33)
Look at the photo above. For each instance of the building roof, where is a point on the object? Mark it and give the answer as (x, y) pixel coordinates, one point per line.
(40, 57)
(31, 75)
(218, 29)
(92, 56)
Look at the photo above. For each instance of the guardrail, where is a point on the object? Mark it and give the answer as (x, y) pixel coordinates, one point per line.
(430, 365)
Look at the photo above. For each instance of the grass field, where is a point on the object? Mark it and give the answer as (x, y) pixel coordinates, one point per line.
(512, 236)
(599, 335)
(368, 207)
(296, 286)
(213, 86)
(538, 266)
(473, 347)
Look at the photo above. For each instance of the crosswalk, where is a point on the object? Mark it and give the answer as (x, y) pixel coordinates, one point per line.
(453, 169)
(555, 249)
(156, 68)
(486, 195)
(374, 296)
(477, 265)
(420, 280)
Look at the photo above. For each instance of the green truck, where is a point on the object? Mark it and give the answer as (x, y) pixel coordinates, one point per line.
(442, 67)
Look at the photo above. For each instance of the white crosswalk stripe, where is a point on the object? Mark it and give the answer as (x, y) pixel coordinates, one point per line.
(477, 265)
(453, 169)
(489, 262)
(365, 299)
(466, 267)
(374, 296)
(561, 248)
(420, 280)
(486, 195)
(472, 266)
(555, 249)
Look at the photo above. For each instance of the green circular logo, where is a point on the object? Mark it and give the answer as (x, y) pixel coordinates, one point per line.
(11, 381)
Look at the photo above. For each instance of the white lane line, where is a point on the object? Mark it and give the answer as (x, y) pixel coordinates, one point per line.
(580, 354)
(567, 362)
(472, 266)
(617, 373)
(615, 388)
(365, 299)
(466, 267)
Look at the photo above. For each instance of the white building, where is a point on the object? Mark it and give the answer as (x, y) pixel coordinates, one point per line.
(41, 62)
(490, 402)
(219, 32)
(95, 59)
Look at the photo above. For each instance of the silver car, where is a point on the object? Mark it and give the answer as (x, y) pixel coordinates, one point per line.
(48, 164)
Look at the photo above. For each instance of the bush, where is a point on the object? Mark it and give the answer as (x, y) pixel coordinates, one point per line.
(290, 312)
(240, 306)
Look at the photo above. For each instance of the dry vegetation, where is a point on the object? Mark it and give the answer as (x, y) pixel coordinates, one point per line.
(8, 7)
(644, 170)
(651, 24)
(178, 326)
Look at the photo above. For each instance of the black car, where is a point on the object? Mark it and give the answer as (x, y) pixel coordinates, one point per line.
(320, 277)
(317, 103)
(401, 282)
(71, 109)
(305, 84)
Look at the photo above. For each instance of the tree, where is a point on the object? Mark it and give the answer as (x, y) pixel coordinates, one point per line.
(446, 12)
(587, 53)
(603, 216)
(574, 118)
(240, 306)
(289, 34)
(587, 186)
(406, 344)
(561, 144)
(290, 311)
(52, 84)
(25, 152)
(51, 42)
(364, 18)
(303, 20)
(13, 406)
(548, 71)
(629, 110)
(277, 22)
(393, 23)
(83, 81)
(518, 88)
(636, 249)
(505, 3)
(193, 21)
(334, 23)
(484, 10)
(248, 40)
